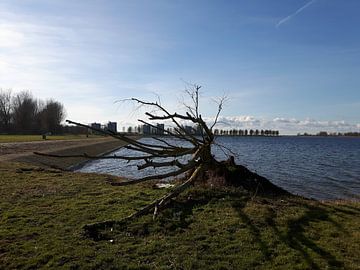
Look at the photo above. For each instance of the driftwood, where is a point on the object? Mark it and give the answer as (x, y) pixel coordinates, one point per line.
(157, 154)
(199, 161)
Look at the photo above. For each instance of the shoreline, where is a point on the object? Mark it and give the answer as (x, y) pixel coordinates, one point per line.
(75, 167)
(23, 152)
(95, 147)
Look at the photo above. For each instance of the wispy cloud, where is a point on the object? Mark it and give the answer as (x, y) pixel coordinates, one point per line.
(64, 62)
(292, 15)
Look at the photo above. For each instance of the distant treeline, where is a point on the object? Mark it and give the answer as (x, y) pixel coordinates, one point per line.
(325, 133)
(21, 113)
(246, 132)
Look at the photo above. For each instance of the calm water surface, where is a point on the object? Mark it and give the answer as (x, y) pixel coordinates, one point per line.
(323, 168)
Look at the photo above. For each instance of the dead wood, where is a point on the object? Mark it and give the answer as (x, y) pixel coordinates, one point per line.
(162, 153)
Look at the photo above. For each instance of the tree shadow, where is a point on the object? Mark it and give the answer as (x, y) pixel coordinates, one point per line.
(180, 214)
(294, 234)
(176, 217)
(255, 231)
(346, 209)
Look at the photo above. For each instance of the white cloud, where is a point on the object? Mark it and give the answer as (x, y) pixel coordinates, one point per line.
(64, 61)
(284, 125)
(10, 38)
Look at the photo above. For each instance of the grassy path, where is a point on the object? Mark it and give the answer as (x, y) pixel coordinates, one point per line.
(35, 138)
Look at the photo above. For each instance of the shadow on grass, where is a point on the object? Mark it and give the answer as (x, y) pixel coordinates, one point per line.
(294, 233)
(254, 230)
(179, 215)
(175, 218)
(350, 210)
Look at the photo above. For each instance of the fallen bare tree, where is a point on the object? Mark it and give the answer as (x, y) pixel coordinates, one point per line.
(194, 162)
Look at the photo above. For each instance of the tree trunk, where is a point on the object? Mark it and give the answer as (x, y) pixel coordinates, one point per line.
(228, 173)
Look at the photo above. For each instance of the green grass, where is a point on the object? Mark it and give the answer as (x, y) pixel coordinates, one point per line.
(31, 138)
(43, 211)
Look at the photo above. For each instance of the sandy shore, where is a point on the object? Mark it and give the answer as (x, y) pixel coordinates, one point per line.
(23, 151)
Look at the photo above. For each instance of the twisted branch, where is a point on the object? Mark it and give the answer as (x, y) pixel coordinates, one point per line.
(190, 165)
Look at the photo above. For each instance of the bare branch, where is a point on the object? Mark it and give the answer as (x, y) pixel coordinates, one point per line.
(155, 104)
(91, 228)
(222, 147)
(193, 92)
(186, 168)
(94, 157)
(151, 146)
(176, 152)
(164, 141)
(179, 135)
(116, 136)
(220, 103)
(153, 164)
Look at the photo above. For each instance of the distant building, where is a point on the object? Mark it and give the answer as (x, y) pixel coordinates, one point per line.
(146, 129)
(322, 133)
(160, 129)
(112, 126)
(95, 126)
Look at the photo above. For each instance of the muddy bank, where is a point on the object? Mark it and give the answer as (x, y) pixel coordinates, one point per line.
(23, 152)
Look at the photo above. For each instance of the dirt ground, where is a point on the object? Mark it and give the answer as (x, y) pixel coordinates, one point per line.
(23, 151)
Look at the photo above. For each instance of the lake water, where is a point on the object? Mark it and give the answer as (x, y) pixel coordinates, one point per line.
(324, 168)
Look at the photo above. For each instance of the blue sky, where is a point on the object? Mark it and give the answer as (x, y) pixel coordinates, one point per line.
(291, 65)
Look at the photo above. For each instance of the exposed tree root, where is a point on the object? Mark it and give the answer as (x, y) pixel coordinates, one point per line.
(227, 173)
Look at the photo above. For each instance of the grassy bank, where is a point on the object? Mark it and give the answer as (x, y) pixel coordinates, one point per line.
(33, 138)
(42, 212)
